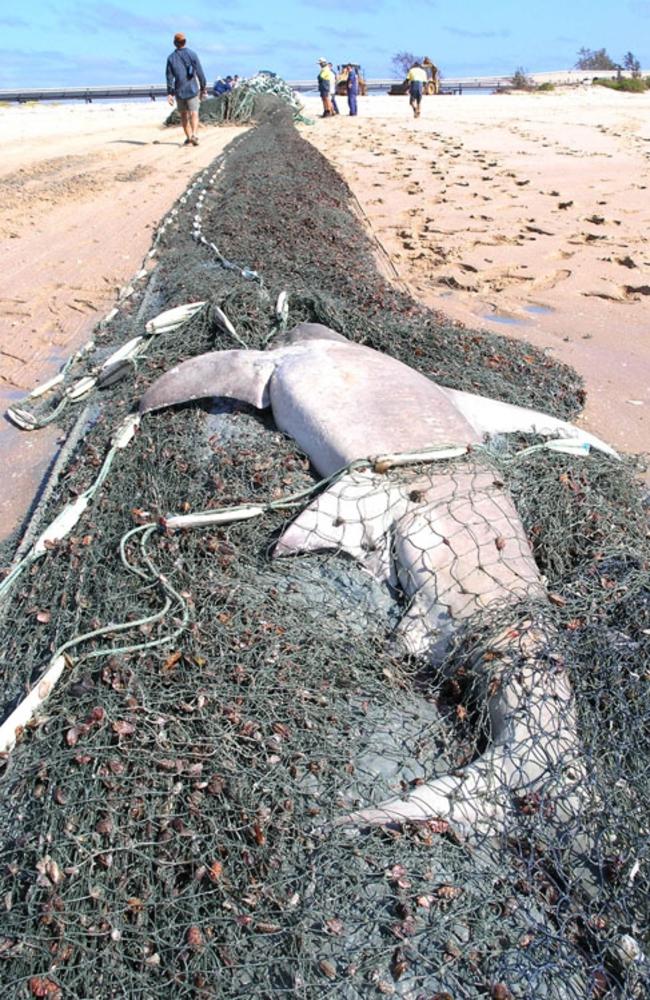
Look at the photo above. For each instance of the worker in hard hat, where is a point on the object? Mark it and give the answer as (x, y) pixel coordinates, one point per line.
(416, 77)
(325, 79)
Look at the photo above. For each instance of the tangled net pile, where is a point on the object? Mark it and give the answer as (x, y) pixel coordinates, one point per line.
(165, 825)
(240, 105)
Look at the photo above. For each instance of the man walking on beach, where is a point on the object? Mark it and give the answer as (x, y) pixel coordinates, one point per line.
(187, 84)
(416, 77)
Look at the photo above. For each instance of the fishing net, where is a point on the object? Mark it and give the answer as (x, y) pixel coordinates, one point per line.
(240, 105)
(170, 822)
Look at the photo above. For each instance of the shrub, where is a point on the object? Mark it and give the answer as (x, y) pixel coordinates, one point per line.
(599, 60)
(546, 86)
(520, 80)
(631, 86)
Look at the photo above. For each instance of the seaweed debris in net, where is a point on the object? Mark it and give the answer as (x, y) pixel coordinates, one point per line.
(162, 823)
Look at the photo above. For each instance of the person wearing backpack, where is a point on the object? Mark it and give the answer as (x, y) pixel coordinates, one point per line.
(187, 85)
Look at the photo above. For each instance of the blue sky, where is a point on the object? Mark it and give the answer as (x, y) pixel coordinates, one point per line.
(75, 43)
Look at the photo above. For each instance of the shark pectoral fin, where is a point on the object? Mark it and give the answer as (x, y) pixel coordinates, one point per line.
(243, 375)
(353, 516)
(491, 416)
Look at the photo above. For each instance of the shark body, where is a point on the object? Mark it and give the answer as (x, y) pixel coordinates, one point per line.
(450, 539)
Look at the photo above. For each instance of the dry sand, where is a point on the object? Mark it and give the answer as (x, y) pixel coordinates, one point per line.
(82, 189)
(523, 214)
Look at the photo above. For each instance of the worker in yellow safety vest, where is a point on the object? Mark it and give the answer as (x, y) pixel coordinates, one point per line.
(416, 77)
(325, 80)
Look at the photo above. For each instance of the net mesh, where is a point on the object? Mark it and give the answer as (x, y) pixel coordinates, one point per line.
(169, 825)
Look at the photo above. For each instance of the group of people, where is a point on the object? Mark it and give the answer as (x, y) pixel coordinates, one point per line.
(186, 84)
(327, 87)
(416, 77)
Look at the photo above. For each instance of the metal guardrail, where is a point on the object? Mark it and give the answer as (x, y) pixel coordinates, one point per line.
(153, 91)
(87, 94)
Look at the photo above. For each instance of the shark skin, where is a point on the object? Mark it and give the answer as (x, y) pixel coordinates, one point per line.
(450, 539)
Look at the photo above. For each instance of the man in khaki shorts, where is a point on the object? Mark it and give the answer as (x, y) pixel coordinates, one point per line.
(186, 84)
(417, 77)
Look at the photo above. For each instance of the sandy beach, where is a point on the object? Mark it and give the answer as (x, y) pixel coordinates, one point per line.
(526, 215)
(523, 214)
(82, 189)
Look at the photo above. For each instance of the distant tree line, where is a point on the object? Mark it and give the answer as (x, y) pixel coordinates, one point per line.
(599, 59)
(596, 60)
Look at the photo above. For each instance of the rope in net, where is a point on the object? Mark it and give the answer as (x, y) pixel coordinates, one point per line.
(171, 821)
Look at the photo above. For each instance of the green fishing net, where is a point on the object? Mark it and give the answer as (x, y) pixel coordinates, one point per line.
(168, 824)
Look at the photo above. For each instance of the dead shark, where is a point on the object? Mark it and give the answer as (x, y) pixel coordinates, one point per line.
(450, 538)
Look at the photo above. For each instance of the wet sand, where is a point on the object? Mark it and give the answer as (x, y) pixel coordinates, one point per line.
(522, 214)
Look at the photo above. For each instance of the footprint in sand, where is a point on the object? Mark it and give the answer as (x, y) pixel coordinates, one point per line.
(538, 230)
(588, 238)
(552, 279)
(613, 295)
(636, 291)
(450, 281)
